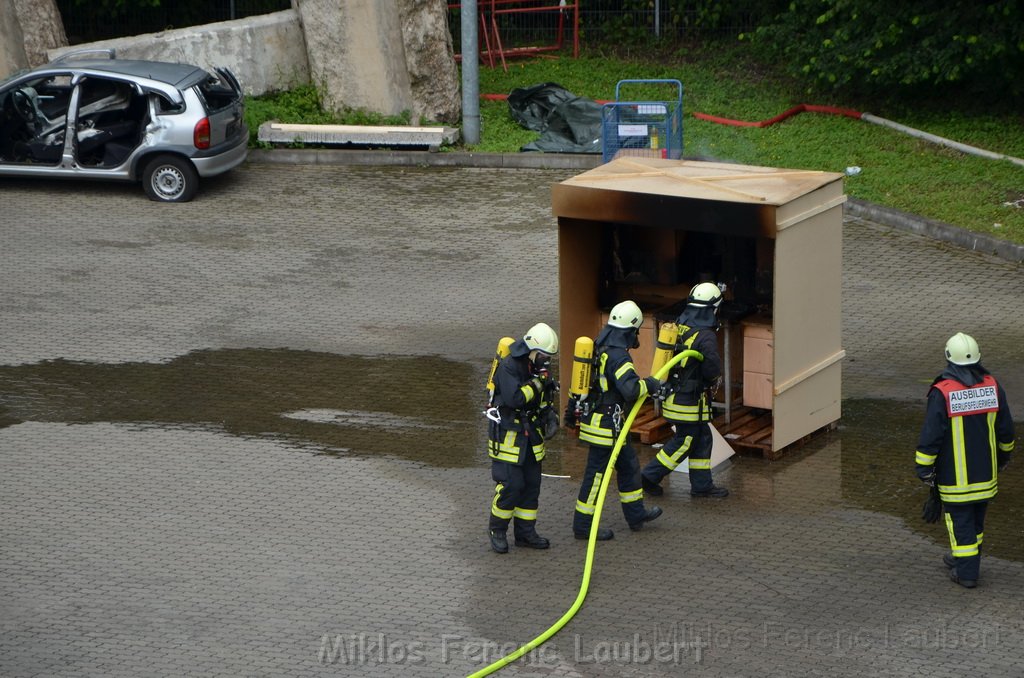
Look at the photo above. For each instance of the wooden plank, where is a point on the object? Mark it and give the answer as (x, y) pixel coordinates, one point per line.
(751, 426)
(737, 420)
(643, 417)
(659, 432)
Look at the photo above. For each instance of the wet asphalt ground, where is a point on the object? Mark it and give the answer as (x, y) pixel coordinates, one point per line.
(241, 436)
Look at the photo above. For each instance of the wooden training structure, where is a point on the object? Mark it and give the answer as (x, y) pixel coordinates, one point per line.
(648, 229)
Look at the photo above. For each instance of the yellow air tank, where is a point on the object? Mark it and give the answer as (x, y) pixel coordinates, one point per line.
(666, 346)
(504, 346)
(583, 353)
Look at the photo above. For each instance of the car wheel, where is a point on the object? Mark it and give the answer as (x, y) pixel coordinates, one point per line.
(168, 178)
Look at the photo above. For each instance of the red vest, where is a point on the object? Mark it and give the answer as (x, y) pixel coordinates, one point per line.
(962, 401)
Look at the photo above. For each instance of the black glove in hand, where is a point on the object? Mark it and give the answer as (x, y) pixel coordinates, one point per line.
(926, 474)
(932, 509)
(551, 387)
(653, 386)
(570, 414)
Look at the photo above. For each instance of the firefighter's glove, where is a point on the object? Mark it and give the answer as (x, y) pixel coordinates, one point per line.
(716, 385)
(932, 509)
(653, 387)
(926, 474)
(570, 414)
(538, 385)
(551, 388)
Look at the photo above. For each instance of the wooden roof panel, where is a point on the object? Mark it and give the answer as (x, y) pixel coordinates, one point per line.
(703, 180)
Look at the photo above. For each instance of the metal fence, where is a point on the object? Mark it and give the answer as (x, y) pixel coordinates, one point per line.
(603, 22)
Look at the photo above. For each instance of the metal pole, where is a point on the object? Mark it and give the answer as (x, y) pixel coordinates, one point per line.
(657, 18)
(728, 374)
(470, 74)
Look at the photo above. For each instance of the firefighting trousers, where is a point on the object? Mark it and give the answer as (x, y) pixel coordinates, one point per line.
(627, 473)
(966, 526)
(691, 441)
(516, 495)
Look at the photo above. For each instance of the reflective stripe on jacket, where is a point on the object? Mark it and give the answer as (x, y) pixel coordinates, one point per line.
(518, 401)
(690, 403)
(618, 384)
(967, 435)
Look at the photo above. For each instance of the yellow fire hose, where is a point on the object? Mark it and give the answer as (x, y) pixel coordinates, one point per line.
(592, 541)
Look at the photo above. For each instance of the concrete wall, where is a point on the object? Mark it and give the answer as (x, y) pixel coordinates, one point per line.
(12, 49)
(267, 53)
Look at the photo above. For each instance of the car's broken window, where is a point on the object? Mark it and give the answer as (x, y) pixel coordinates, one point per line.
(111, 117)
(216, 94)
(165, 106)
(32, 119)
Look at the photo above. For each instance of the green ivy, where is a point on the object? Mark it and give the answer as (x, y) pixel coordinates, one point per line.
(879, 47)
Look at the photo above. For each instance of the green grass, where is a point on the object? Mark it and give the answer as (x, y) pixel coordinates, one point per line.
(898, 170)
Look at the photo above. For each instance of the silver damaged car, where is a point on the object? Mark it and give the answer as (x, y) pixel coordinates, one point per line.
(165, 124)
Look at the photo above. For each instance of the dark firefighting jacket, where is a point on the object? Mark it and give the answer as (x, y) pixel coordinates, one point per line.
(615, 386)
(691, 378)
(518, 400)
(967, 435)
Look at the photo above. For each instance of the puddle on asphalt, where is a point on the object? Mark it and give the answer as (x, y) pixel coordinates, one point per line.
(879, 438)
(419, 408)
(427, 409)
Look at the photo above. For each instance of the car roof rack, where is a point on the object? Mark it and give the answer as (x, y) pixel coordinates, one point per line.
(110, 53)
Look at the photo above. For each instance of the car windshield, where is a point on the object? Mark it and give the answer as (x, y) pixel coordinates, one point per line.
(13, 76)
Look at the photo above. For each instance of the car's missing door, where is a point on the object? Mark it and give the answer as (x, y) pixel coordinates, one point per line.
(164, 124)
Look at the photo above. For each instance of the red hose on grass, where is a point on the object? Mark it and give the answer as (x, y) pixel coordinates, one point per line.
(836, 110)
(811, 108)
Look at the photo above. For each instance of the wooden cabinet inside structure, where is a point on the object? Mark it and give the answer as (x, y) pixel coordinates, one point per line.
(758, 354)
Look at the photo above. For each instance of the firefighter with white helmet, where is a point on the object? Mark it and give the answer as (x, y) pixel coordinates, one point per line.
(687, 404)
(966, 440)
(520, 421)
(615, 387)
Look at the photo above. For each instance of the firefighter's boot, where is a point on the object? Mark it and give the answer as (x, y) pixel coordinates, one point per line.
(499, 541)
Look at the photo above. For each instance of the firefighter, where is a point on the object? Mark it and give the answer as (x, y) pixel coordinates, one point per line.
(688, 403)
(967, 438)
(615, 387)
(523, 395)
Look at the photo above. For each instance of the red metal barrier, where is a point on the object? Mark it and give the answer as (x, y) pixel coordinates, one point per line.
(490, 12)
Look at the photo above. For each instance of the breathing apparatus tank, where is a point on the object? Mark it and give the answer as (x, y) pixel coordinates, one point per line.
(504, 347)
(667, 336)
(579, 387)
(583, 354)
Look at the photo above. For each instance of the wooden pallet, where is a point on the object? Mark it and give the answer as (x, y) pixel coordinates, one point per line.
(750, 430)
(650, 427)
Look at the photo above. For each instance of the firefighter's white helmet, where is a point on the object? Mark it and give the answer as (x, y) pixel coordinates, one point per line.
(626, 314)
(541, 338)
(962, 349)
(705, 294)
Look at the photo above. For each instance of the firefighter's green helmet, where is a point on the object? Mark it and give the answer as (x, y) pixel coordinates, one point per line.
(541, 338)
(705, 294)
(962, 349)
(626, 314)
